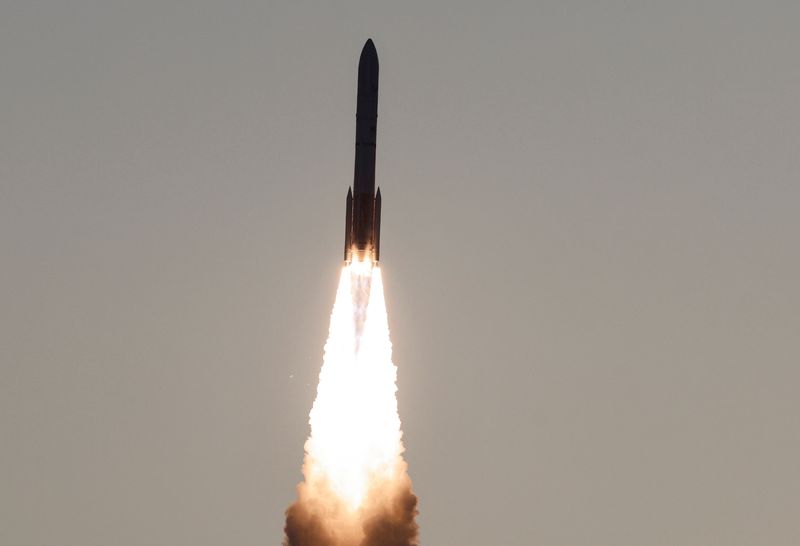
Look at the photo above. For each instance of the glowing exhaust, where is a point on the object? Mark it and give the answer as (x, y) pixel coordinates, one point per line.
(356, 483)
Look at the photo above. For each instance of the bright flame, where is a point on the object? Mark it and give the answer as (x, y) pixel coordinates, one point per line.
(355, 441)
(356, 490)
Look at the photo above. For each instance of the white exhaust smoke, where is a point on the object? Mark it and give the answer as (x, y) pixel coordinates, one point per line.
(356, 490)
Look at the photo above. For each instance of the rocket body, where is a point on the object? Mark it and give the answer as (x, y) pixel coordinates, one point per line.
(363, 212)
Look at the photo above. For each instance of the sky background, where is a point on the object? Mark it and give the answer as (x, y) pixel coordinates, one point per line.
(590, 249)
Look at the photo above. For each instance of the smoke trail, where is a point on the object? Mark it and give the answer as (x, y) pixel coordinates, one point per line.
(356, 490)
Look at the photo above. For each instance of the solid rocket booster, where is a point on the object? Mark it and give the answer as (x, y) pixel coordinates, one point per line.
(363, 212)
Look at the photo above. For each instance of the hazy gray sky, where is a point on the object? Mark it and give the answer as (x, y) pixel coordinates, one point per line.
(590, 245)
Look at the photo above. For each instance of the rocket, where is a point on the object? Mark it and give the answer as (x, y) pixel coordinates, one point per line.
(363, 212)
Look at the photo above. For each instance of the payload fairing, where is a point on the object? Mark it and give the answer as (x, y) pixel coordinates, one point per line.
(363, 213)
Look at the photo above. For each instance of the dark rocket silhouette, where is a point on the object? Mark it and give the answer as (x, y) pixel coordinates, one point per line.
(363, 214)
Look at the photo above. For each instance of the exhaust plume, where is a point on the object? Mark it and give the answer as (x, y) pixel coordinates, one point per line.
(356, 489)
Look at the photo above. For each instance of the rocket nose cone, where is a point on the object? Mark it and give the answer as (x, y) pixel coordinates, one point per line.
(369, 49)
(369, 57)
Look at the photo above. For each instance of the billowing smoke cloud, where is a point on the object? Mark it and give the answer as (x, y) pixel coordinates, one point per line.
(356, 490)
(388, 522)
(393, 524)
